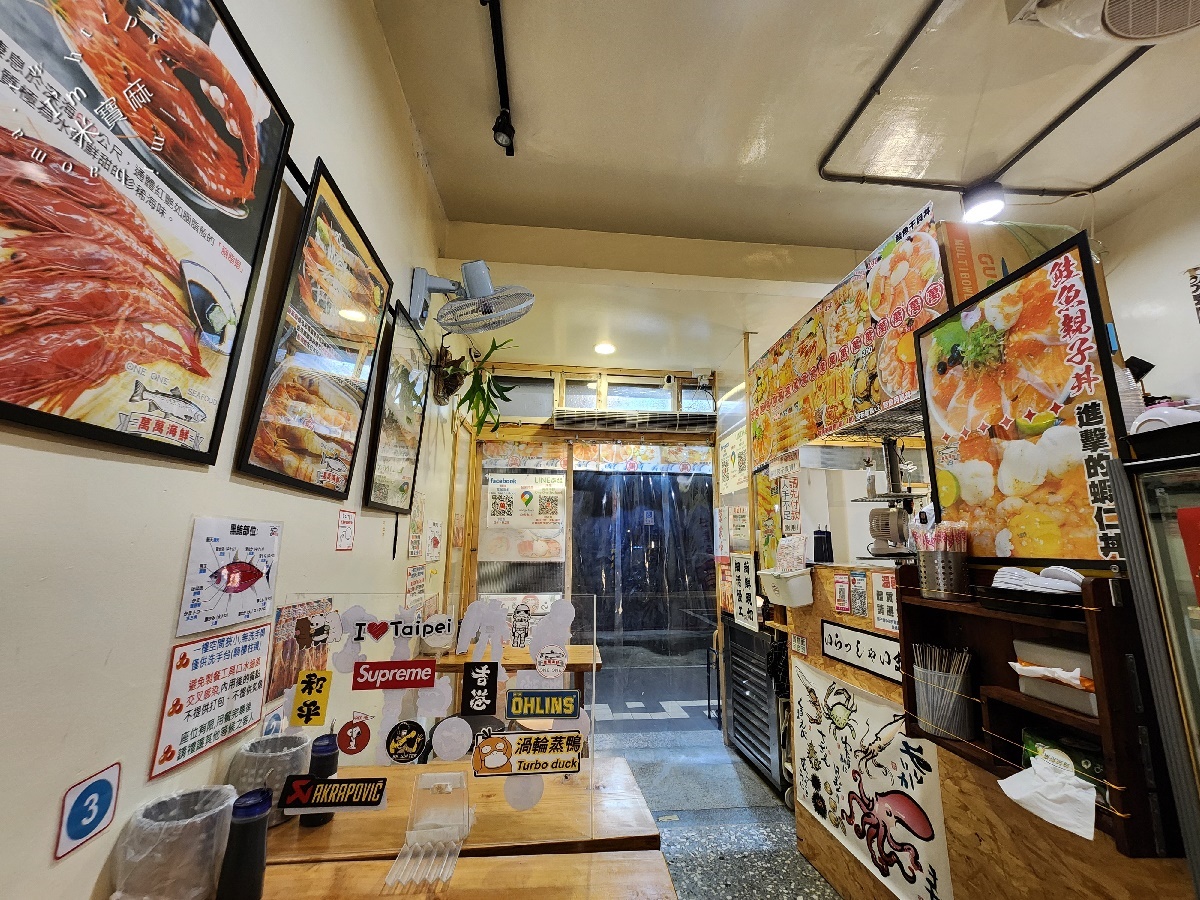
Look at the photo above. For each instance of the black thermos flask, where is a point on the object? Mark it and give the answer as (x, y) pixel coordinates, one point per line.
(245, 860)
(323, 763)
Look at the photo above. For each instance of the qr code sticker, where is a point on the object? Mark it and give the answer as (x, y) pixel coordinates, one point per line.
(548, 505)
(502, 506)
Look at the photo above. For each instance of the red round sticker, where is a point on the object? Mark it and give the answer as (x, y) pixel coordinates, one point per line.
(354, 737)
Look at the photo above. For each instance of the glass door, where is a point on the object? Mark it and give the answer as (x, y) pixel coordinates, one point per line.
(1171, 505)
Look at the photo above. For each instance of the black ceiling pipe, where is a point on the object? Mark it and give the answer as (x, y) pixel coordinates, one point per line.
(502, 131)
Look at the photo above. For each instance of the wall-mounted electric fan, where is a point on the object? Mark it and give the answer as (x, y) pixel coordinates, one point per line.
(475, 305)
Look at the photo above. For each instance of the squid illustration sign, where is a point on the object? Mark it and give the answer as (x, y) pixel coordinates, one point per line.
(142, 149)
(871, 786)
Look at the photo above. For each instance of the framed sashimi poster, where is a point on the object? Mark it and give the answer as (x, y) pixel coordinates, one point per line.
(1017, 385)
(141, 148)
(312, 397)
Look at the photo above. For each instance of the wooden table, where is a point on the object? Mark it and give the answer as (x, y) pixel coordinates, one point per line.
(611, 876)
(580, 658)
(568, 819)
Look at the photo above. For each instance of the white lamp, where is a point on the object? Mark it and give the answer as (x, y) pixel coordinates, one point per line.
(983, 202)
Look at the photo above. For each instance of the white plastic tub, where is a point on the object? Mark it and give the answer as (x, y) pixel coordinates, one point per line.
(788, 588)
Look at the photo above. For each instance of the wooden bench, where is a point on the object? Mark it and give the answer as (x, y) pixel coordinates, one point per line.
(571, 876)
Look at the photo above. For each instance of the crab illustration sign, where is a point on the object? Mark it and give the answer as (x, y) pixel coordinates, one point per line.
(871, 786)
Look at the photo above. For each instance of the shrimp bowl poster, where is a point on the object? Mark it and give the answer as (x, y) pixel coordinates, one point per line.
(853, 356)
(1016, 388)
(142, 150)
(876, 790)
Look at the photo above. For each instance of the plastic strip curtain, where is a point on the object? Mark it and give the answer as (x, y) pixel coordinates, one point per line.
(643, 544)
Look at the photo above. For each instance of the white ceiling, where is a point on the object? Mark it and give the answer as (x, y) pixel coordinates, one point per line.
(682, 322)
(707, 118)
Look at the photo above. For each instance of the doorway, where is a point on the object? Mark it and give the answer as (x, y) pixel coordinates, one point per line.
(642, 543)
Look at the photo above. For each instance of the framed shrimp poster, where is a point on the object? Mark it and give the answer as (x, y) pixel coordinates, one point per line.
(142, 148)
(396, 434)
(1020, 425)
(312, 396)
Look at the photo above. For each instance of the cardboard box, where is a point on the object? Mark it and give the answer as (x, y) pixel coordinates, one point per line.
(977, 256)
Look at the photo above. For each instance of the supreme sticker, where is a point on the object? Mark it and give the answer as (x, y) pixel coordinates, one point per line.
(391, 675)
(521, 704)
(303, 793)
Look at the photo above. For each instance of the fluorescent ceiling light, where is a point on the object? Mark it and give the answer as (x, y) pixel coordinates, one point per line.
(983, 202)
(591, 385)
(353, 315)
(605, 348)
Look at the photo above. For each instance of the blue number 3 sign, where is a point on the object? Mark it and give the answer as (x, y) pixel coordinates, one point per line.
(87, 809)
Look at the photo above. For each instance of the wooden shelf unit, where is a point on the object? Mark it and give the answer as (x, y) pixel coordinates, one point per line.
(1142, 821)
(991, 694)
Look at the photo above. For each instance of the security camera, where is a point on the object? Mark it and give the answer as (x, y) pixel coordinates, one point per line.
(668, 380)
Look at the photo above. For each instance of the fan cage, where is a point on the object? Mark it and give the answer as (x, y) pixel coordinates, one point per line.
(467, 316)
(1145, 20)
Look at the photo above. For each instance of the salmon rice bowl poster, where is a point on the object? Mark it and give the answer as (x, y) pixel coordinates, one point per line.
(1020, 429)
(142, 148)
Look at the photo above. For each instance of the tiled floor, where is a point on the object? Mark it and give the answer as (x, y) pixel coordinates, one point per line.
(725, 832)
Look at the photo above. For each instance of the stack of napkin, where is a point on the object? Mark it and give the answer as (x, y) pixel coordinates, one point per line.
(1054, 580)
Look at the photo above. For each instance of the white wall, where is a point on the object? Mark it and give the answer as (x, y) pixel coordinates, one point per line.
(93, 539)
(1148, 253)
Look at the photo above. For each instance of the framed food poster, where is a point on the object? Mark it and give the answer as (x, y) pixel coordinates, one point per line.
(1019, 423)
(396, 435)
(142, 159)
(853, 356)
(313, 393)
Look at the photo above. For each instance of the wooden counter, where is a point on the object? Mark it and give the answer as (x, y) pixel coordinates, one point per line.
(568, 819)
(997, 849)
(605, 876)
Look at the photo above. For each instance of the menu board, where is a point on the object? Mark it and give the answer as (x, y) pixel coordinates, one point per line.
(142, 155)
(1016, 389)
(853, 355)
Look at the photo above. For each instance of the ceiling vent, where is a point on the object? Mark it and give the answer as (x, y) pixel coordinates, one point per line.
(1127, 21)
(620, 420)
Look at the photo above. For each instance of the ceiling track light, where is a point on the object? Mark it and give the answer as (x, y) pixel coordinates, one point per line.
(983, 202)
(503, 132)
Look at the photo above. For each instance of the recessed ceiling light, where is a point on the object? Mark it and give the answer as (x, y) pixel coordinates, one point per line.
(353, 315)
(983, 202)
(606, 348)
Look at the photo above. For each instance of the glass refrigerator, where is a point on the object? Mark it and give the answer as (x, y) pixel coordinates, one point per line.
(1158, 502)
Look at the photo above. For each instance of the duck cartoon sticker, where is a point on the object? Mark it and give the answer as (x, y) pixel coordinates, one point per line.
(492, 756)
(527, 753)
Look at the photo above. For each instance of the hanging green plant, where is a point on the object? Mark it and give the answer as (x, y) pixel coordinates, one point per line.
(483, 391)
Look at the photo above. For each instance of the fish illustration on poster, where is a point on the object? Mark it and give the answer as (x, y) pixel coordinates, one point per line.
(230, 574)
(876, 790)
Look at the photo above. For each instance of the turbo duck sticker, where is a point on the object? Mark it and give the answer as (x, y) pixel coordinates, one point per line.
(527, 753)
